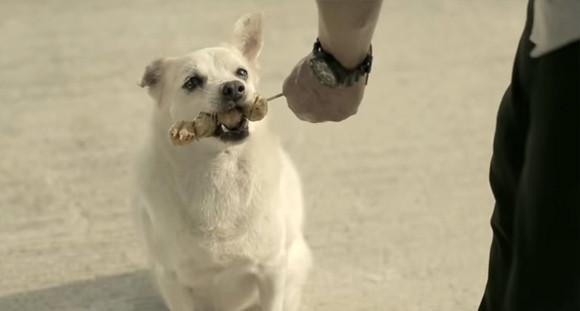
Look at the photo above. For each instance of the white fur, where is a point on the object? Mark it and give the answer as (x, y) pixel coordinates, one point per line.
(222, 222)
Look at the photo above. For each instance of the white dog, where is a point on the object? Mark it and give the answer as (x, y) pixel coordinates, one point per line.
(221, 217)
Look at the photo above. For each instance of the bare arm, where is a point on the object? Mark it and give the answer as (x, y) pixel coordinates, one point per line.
(346, 27)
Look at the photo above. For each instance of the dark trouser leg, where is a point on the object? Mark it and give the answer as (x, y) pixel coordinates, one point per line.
(535, 178)
(545, 271)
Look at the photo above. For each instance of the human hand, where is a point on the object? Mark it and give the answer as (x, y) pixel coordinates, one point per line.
(314, 102)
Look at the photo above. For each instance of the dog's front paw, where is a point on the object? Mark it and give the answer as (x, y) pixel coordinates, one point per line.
(182, 133)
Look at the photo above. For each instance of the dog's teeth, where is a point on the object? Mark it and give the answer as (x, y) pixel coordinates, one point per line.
(224, 128)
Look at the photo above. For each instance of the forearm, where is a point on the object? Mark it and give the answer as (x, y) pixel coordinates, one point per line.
(346, 27)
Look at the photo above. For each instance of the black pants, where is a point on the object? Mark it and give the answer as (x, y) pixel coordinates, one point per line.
(535, 178)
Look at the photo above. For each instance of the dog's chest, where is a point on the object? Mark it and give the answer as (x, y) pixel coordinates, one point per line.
(218, 196)
(221, 212)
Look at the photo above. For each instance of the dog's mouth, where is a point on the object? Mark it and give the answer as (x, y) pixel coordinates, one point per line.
(235, 134)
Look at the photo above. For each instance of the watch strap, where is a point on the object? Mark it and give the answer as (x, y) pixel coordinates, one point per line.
(331, 73)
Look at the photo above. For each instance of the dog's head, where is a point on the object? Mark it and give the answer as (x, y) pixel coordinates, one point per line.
(209, 80)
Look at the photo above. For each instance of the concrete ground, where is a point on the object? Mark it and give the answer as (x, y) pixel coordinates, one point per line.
(397, 197)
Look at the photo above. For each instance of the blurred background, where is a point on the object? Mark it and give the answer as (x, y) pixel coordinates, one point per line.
(397, 199)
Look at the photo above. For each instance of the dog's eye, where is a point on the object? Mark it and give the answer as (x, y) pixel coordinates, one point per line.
(192, 82)
(242, 73)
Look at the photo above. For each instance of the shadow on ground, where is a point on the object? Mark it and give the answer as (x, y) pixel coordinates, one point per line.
(124, 292)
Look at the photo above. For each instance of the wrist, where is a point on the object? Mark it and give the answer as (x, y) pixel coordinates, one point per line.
(346, 27)
(349, 56)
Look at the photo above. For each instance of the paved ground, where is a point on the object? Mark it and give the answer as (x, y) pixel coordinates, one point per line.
(397, 197)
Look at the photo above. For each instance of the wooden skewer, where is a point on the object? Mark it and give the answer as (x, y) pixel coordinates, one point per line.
(275, 96)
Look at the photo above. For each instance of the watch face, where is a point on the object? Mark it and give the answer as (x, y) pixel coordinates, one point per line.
(323, 72)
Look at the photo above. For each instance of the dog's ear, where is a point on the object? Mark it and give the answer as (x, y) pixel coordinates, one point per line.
(153, 73)
(247, 36)
(153, 78)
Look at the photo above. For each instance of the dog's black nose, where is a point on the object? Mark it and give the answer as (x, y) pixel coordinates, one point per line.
(233, 90)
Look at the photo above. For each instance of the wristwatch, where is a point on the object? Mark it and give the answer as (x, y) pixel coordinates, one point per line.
(331, 73)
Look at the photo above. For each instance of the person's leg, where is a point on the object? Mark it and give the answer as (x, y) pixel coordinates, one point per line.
(535, 177)
(545, 270)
